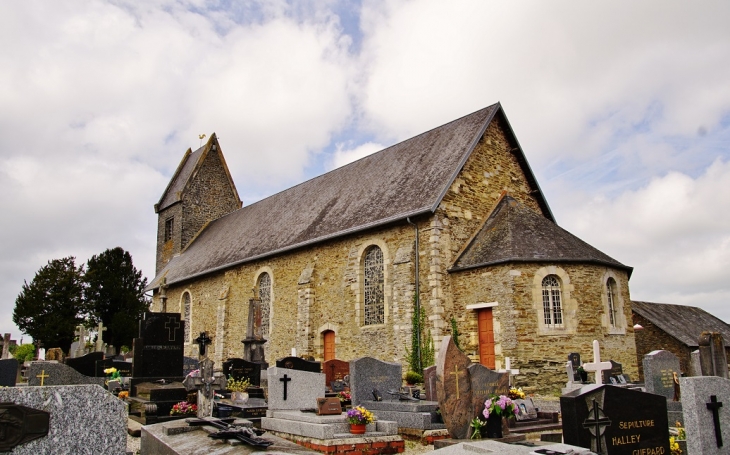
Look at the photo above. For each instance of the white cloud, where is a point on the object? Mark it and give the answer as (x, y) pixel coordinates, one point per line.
(343, 156)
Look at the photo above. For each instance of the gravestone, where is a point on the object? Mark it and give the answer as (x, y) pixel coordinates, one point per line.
(659, 369)
(190, 364)
(485, 382)
(52, 373)
(80, 350)
(454, 389)
(706, 407)
(6, 347)
(99, 346)
(367, 374)
(429, 383)
(243, 369)
(295, 363)
(574, 359)
(527, 409)
(73, 352)
(294, 389)
(611, 375)
(124, 368)
(55, 354)
(615, 420)
(206, 384)
(597, 366)
(158, 352)
(84, 419)
(86, 364)
(8, 372)
(713, 358)
(253, 344)
(335, 370)
(695, 366)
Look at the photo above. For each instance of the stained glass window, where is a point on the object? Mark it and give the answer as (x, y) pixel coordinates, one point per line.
(374, 297)
(611, 292)
(551, 306)
(265, 297)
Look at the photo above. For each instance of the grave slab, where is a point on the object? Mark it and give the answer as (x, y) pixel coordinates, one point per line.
(367, 373)
(294, 389)
(58, 374)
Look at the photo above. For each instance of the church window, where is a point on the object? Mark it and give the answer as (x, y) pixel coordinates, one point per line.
(551, 304)
(611, 294)
(169, 225)
(374, 296)
(265, 297)
(186, 314)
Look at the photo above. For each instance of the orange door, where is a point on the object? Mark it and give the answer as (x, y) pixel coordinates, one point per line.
(486, 337)
(329, 345)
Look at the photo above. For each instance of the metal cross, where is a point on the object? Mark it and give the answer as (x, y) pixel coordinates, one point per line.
(285, 379)
(596, 424)
(203, 340)
(172, 329)
(43, 376)
(456, 376)
(715, 406)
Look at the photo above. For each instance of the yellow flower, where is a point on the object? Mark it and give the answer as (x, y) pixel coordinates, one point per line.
(110, 370)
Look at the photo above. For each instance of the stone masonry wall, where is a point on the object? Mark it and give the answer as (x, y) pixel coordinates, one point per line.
(652, 338)
(166, 250)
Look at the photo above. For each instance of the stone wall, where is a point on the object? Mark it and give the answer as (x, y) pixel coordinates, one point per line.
(652, 338)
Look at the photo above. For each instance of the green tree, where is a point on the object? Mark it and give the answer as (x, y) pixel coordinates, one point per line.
(24, 353)
(50, 307)
(114, 295)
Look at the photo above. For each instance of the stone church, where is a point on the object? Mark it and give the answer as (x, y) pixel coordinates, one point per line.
(453, 218)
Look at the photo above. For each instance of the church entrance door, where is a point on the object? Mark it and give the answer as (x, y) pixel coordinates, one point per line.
(486, 337)
(329, 345)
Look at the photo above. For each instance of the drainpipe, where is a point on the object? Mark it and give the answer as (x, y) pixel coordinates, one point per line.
(418, 300)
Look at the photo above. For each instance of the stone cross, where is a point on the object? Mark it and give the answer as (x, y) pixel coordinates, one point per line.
(82, 334)
(596, 424)
(163, 294)
(203, 340)
(597, 365)
(6, 346)
(99, 342)
(206, 384)
(715, 406)
(510, 371)
(42, 376)
(571, 373)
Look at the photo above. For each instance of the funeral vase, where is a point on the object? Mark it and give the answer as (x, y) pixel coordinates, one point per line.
(494, 425)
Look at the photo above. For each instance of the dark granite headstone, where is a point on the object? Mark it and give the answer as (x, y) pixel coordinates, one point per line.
(86, 364)
(243, 369)
(615, 420)
(295, 363)
(335, 370)
(190, 364)
(158, 352)
(485, 382)
(614, 372)
(574, 358)
(124, 368)
(659, 369)
(367, 373)
(454, 389)
(429, 383)
(8, 372)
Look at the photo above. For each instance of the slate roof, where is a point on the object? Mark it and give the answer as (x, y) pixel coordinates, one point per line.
(516, 233)
(174, 189)
(407, 179)
(685, 323)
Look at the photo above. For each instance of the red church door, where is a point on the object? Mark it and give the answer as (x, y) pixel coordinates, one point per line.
(486, 337)
(329, 345)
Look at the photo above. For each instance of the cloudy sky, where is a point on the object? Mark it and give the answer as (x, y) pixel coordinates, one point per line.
(622, 108)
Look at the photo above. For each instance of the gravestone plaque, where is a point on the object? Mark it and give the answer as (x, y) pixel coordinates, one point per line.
(295, 363)
(706, 419)
(485, 382)
(429, 383)
(659, 369)
(21, 424)
(294, 389)
(190, 364)
(158, 352)
(453, 386)
(86, 364)
(574, 359)
(328, 406)
(243, 369)
(527, 409)
(615, 420)
(337, 386)
(367, 374)
(124, 368)
(8, 372)
(613, 372)
(335, 370)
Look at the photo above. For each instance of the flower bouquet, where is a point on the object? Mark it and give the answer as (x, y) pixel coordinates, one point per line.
(516, 394)
(495, 408)
(114, 375)
(184, 408)
(344, 396)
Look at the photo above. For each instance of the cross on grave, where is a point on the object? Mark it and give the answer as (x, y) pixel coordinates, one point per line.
(456, 376)
(597, 365)
(172, 329)
(82, 334)
(206, 384)
(43, 376)
(285, 380)
(99, 342)
(163, 294)
(715, 406)
(203, 340)
(510, 371)
(596, 424)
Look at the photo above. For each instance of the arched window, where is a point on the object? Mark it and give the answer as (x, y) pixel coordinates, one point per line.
(551, 303)
(186, 302)
(612, 301)
(374, 296)
(265, 297)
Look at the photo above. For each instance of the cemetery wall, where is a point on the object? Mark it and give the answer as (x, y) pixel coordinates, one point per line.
(651, 338)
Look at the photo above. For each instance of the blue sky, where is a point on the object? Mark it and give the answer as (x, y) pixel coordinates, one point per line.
(622, 109)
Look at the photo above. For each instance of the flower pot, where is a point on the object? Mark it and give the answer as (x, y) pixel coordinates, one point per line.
(357, 428)
(494, 426)
(239, 397)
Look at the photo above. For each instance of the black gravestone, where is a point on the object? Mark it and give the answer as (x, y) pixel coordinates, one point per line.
(124, 368)
(8, 372)
(158, 352)
(615, 371)
(574, 358)
(243, 369)
(295, 363)
(86, 364)
(615, 420)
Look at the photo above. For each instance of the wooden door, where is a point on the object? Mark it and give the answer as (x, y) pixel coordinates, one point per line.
(486, 337)
(329, 345)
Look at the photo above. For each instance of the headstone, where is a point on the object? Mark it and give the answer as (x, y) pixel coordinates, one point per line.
(52, 373)
(659, 369)
(99, 341)
(597, 366)
(695, 366)
(429, 383)
(454, 389)
(611, 375)
(74, 349)
(84, 419)
(295, 363)
(6, 346)
(253, 344)
(485, 382)
(713, 358)
(243, 369)
(527, 409)
(190, 364)
(82, 333)
(86, 364)
(8, 372)
(158, 352)
(368, 374)
(124, 368)
(206, 384)
(335, 370)
(574, 359)
(294, 389)
(615, 420)
(706, 407)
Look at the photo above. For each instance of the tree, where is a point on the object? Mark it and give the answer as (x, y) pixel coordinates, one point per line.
(114, 295)
(24, 353)
(50, 307)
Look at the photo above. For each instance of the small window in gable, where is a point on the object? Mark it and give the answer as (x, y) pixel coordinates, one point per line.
(612, 301)
(551, 302)
(169, 225)
(374, 297)
(265, 297)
